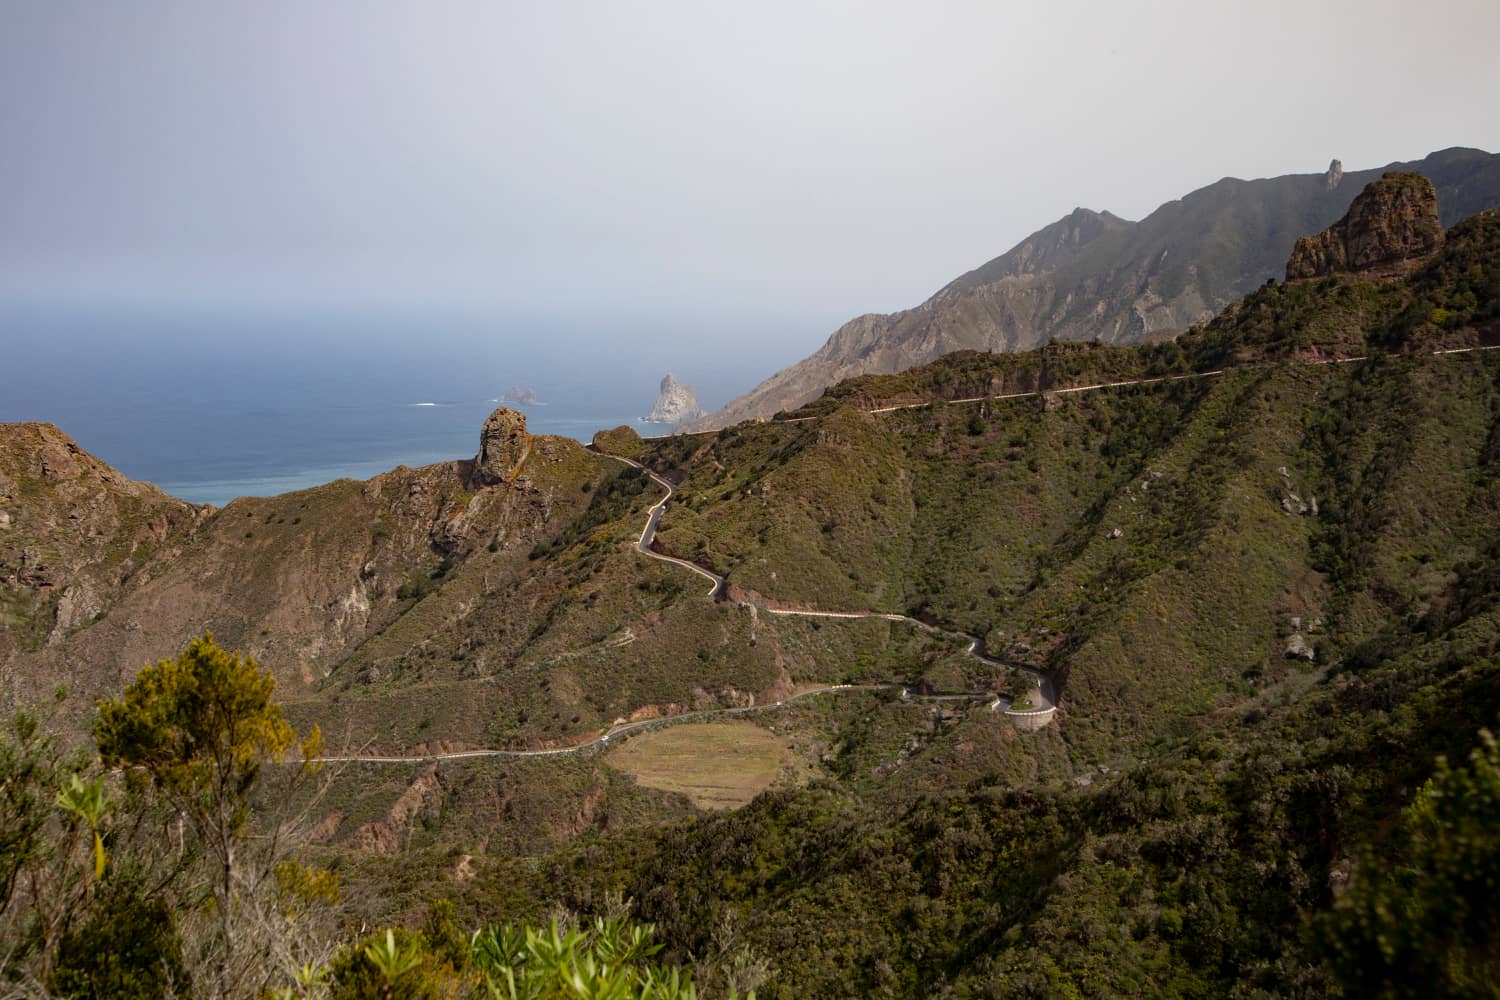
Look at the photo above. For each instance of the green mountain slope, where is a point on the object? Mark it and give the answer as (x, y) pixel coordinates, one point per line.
(1156, 545)
(1258, 565)
(1226, 821)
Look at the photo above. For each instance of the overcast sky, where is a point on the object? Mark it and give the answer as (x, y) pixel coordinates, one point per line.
(658, 160)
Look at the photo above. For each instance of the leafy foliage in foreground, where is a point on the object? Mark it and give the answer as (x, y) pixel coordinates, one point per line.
(1428, 925)
(95, 904)
(607, 959)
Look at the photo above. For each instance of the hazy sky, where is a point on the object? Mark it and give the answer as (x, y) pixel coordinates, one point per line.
(683, 166)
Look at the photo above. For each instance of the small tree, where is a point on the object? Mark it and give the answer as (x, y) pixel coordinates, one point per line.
(28, 769)
(197, 730)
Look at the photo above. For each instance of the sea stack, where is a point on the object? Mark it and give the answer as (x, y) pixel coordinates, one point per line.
(675, 403)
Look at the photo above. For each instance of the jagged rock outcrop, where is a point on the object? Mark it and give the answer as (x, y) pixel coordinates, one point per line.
(1092, 276)
(503, 446)
(1390, 227)
(675, 403)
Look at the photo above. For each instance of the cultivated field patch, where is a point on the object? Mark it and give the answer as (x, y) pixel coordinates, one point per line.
(718, 765)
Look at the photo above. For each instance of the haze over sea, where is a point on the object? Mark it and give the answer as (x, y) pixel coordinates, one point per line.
(211, 407)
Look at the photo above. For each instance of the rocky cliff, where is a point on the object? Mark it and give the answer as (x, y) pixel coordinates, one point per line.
(1391, 226)
(1094, 276)
(675, 403)
(73, 531)
(503, 446)
(492, 599)
(99, 575)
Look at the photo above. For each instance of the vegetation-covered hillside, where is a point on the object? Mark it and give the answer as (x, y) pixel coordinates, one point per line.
(1235, 819)
(1257, 567)
(1165, 546)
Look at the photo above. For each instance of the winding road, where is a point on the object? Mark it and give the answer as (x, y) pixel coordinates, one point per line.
(653, 518)
(718, 590)
(1093, 387)
(1046, 693)
(620, 730)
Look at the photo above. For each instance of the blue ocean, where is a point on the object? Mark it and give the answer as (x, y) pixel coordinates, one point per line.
(211, 408)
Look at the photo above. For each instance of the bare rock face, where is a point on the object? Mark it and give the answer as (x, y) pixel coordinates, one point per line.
(1298, 648)
(1390, 227)
(1334, 175)
(676, 403)
(503, 446)
(78, 605)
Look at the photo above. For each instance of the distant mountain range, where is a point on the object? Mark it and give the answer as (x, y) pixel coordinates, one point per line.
(1094, 276)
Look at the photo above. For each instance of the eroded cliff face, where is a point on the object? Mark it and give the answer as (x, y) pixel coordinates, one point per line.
(100, 575)
(73, 532)
(1390, 228)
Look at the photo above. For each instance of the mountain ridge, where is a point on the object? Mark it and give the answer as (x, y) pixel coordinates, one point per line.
(1092, 275)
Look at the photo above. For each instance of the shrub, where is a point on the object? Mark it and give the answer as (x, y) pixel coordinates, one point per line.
(415, 587)
(128, 947)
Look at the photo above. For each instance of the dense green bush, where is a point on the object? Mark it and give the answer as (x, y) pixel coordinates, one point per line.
(127, 947)
(1421, 918)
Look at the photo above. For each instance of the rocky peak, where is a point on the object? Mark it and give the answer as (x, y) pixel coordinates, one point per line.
(1041, 252)
(675, 403)
(1079, 228)
(1390, 227)
(1334, 175)
(503, 446)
